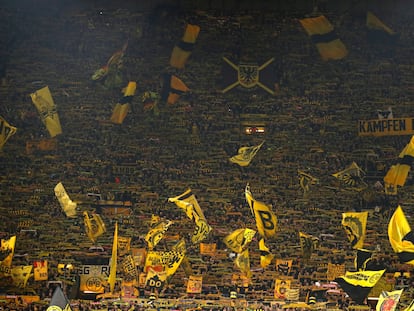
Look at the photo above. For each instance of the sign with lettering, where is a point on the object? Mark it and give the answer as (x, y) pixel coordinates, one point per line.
(386, 127)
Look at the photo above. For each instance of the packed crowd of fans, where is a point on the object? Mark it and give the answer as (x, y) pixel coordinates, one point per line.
(310, 126)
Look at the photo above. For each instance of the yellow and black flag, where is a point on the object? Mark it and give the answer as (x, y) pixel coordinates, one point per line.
(363, 256)
(352, 177)
(94, 226)
(306, 180)
(7, 252)
(6, 131)
(156, 233)
(397, 174)
(358, 284)
(378, 32)
(183, 49)
(249, 75)
(46, 107)
(239, 239)
(245, 155)
(401, 237)
(266, 220)
(323, 35)
(355, 224)
(122, 108)
(266, 256)
(308, 243)
(172, 88)
(20, 275)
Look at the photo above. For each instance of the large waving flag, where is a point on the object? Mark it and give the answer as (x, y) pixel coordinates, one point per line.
(59, 301)
(266, 220)
(323, 35)
(245, 155)
(182, 50)
(188, 202)
(94, 226)
(156, 233)
(46, 107)
(6, 131)
(352, 177)
(355, 224)
(397, 174)
(67, 205)
(401, 237)
(388, 300)
(358, 284)
(121, 109)
(308, 243)
(266, 256)
(239, 239)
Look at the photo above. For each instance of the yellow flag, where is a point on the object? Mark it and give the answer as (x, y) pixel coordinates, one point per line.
(266, 220)
(245, 155)
(352, 177)
(265, 256)
(397, 174)
(182, 50)
(156, 279)
(355, 224)
(67, 205)
(20, 275)
(114, 258)
(7, 247)
(388, 300)
(401, 237)
(239, 239)
(155, 234)
(45, 105)
(121, 109)
(185, 201)
(243, 263)
(373, 22)
(94, 226)
(323, 35)
(6, 131)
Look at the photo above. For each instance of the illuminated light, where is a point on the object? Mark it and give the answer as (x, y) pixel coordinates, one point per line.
(254, 130)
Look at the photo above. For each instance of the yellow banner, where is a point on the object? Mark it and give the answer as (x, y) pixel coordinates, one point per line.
(6, 131)
(208, 249)
(20, 275)
(386, 127)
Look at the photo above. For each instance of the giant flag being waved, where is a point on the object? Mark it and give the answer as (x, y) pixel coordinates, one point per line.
(245, 155)
(354, 224)
(182, 50)
(45, 105)
(188, 202)
(358, 284)
(401, 237)
(397, 174)
(266, 220)
(323, 35)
